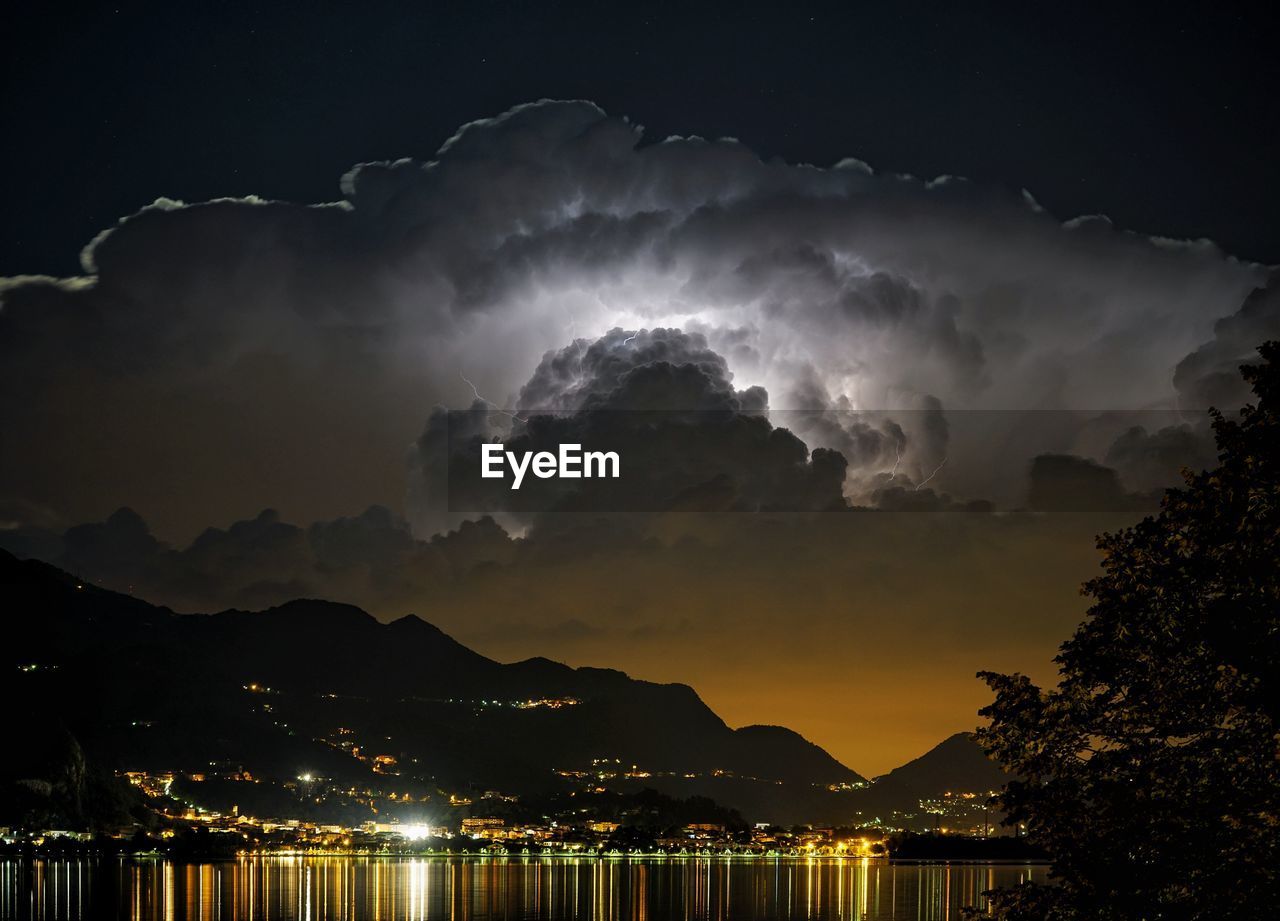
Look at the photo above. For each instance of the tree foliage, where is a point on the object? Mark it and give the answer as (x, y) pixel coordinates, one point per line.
(1152, 772)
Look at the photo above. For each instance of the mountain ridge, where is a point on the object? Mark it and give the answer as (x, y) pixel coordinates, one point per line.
(507, 724)
(310, 684)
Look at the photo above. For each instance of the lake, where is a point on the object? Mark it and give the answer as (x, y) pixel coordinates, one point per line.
(558, 889)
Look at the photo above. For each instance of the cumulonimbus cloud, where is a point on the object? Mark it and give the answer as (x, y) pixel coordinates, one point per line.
(261, 337)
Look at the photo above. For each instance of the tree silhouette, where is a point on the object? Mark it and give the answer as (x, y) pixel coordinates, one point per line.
(1152, 773)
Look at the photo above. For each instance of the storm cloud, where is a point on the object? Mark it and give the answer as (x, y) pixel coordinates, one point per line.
(243, 353)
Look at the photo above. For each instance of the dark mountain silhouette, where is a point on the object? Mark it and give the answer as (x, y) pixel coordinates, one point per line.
(957, 764)
(297, 687)
(308, 686)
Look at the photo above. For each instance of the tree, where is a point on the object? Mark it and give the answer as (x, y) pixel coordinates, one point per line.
(1152, 772)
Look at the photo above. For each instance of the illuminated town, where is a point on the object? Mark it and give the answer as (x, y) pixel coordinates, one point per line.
(592, 822)
(372, 795)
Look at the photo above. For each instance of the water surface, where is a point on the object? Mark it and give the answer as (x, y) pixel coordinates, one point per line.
(509, 888)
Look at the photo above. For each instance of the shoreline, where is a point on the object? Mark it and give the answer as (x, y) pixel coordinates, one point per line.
(482, 857)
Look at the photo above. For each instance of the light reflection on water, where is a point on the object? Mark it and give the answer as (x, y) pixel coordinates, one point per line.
(511, 888)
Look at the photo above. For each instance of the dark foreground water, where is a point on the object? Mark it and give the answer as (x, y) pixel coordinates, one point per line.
(399, 889)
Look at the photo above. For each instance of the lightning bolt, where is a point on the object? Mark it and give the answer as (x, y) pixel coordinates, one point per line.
(897, 450)
(932, 475)
(487, 402)
(629, 338)
(578, 344)
(572, 327)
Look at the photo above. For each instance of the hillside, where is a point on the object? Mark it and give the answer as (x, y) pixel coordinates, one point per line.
(955, 772)
(317, 688)
(956, 763)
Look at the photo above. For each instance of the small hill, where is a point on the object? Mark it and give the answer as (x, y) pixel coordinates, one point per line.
(956, 763)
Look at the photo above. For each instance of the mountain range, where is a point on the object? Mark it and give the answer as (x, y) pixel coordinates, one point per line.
(318, 689)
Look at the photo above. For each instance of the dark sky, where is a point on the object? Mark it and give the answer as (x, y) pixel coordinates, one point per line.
(1163, 121)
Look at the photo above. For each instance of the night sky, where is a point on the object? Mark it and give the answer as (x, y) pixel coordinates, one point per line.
(308, 230)
(1163, 121)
